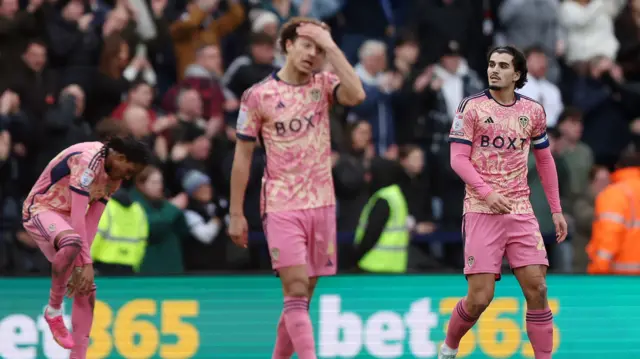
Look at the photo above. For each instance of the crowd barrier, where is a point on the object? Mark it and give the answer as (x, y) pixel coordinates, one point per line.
(234, 317)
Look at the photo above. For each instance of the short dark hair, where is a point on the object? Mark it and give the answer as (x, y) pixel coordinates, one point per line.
(406, 150)
(289, 30)
(519, 62)
(133, 149)
(570, 112)
(535, 49)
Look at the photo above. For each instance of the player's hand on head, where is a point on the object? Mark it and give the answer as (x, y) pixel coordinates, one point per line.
(319, 34)
(561, 227)
(239, 230)
(498, 203)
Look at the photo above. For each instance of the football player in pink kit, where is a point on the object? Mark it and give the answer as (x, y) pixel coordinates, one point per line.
(491, 136)
(289, 113)
(62, 213)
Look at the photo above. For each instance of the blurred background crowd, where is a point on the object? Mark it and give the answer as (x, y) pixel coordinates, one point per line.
(171, 72)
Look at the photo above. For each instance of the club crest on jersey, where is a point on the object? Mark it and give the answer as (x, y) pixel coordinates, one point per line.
(52, 227)
(87, 178)
(315, 95)
(524, 121)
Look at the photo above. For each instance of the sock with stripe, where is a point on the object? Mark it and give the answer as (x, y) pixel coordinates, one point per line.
(459, 325)
(284, 346)
(298, 324)
(81, 320)
(61, 269)
(540, 332)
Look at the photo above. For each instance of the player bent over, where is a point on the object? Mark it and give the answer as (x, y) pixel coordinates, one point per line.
(491, 136)
(289, 112)
(62, 213)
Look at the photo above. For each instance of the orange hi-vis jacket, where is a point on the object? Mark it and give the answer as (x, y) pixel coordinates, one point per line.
(615, 243)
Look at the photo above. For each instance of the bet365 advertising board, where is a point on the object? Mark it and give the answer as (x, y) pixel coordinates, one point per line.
(234, 317)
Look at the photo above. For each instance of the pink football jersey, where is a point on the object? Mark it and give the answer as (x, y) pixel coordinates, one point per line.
(500, 137)
(79, 168)
(292, 123)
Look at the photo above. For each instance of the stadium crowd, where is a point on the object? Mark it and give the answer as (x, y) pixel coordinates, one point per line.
(172, 73)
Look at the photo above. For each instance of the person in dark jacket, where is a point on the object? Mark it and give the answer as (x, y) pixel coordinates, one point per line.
(203, 249)
(384, 173)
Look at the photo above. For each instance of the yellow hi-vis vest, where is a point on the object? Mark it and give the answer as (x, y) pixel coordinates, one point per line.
(122, 235)
(390, 254)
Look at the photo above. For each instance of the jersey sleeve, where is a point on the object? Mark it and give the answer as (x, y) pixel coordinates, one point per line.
(463, 126)
(331, 84)
(539, 138)
(249, 118)
(81, 175)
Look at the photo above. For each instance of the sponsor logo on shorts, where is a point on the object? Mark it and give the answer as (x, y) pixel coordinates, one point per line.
(275, 254)
(470, 261)
(52, 227)
(329, 263)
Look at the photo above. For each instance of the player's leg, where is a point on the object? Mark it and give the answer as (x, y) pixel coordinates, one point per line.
(286, 238)
(61, 245)
(284, 347)
(82, 319)
(528, 258)
(484, 244)
(539, 316)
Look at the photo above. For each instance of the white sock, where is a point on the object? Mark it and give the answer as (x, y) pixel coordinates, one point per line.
(446, 350)
(51, 312)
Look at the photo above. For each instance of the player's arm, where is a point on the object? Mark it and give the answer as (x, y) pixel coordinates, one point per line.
(609, 226)
(81, 178)
(460, 138)
(93, 218)
(248, 128)
(348, 90)
(545, 164)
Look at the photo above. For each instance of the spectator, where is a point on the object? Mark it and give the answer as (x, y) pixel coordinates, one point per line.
(613, 248)
(575, 153)
(167, 225)
(589, 25)
(627, 30)
(250, 69)
(583, 209)
(140, 94)
(204, 249)
(33, 81)
(379, 87)
(63, 125)
(534, 23)
(412, 180)
(197, 27)
(538, 86)
(351, 175)
(111, 83)
(442, 21)
(204, 76)
(18, 27)
(120, 244)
